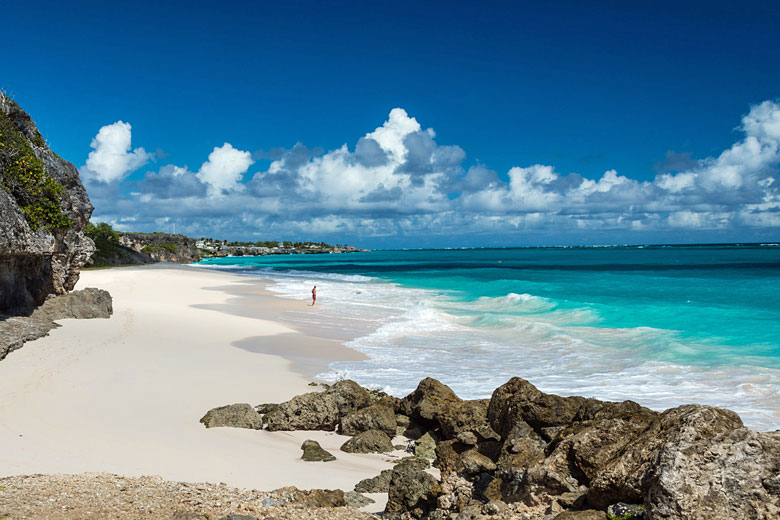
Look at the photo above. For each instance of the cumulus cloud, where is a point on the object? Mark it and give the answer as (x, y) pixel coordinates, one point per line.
(111, 159)
(224, 169)
(398, 181)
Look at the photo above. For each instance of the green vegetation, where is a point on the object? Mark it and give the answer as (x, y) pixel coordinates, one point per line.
(154, 248)
(633, 515)
(21, 174)
(107, 244)
(101, 231)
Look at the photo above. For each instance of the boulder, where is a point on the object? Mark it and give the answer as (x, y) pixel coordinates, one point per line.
(312, 497)
(240, 415)
(411, 490)
(356, 500)
(621, 478)
(425, 447)
(519, 401)
(372, 441)
(467, 417)
(378, 484)
(313, 452)
(732, 474)
(378, 416)
(319, 410)
(430, 400)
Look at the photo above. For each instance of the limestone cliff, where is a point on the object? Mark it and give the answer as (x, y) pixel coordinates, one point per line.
(162, 247)
(43, 211)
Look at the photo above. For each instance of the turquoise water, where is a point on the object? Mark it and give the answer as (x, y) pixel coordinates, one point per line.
(658, 324)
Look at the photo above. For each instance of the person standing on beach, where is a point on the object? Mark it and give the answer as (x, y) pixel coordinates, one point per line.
(314, 296)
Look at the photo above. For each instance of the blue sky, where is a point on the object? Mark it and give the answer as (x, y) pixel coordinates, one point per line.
(233, 117)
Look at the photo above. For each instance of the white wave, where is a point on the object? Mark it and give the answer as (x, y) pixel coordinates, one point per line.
(476, 346)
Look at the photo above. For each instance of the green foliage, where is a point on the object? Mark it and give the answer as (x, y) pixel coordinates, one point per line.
(627, 516)
(21, 174)
(101, 231)
(154, 248)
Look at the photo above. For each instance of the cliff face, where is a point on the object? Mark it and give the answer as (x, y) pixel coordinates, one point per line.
(162, 247)
(43, 211)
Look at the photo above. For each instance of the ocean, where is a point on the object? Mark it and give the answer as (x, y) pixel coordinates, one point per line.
(660, 325)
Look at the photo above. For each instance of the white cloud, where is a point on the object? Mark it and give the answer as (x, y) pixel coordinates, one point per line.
(398, 180)
(111, 159)
(223, 170)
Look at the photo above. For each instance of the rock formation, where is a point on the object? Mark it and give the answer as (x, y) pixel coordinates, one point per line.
(528, 454)
(87, 303)
(240, 415)
(313, 452)
(43, 211)
(161, 247)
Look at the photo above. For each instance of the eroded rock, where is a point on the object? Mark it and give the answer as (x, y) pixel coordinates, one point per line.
(240, 415)
(319, 410)
(313, 452)
(372, 441)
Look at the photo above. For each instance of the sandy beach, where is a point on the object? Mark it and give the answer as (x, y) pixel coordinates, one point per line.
(124, 395)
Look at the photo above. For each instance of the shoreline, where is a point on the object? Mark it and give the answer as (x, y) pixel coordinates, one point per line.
(124, 395)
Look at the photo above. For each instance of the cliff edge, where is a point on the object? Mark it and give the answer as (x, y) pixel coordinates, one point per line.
(43, 211)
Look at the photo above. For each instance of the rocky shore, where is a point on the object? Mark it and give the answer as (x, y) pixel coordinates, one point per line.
(83, 304)
(525, 454)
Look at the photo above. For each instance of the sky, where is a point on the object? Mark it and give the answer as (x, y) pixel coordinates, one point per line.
(412, 124)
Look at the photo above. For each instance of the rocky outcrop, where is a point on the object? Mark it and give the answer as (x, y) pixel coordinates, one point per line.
(319, 410)
(411, 490)
(312, 497)
(43, 211)
(239, 415)
(162, 247)
(529, 454)
(378, 484)
(378, 416)
(371, 441)
(87, 303)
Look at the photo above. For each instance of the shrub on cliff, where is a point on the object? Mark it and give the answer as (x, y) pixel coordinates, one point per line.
(23, 176)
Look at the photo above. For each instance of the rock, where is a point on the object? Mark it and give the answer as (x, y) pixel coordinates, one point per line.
(467, 438)
(474, 462)
(520, 401)
(266, 408)
(467, 417)
(312, 497)
(456, 493)
(356, 500)
(378, 484)
(234, 415)
(731, 474)
(494, 507)
(162, 247)
(42, 248)
(319, 410)
(372, 441)
(234, 516)
(588, 514)
(86, 303)
(625, 511)
(425, 447)
(430, 400)
(411, 490)
(378, 416)
(621, 479)
(89, 303)
(313, 452)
